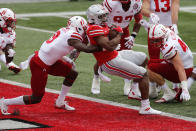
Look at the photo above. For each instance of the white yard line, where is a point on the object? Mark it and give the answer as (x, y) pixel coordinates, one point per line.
(47, 31)
(101, 101)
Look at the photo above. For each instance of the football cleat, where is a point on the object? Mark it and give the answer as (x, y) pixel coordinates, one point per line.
(134, 93)
(149, 111)
(3, 107)
(127, 87)
(153, 93)
(167, 96)
(95, 89)
(63, 105)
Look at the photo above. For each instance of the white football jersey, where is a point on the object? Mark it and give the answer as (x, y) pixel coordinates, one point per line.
(57, 46)
(162, 8)
(7, 38)
(174, 43)
(117, 15)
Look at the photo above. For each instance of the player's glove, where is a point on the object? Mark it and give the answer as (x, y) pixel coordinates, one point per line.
(175, 29)
(118, 47)
(130, 42)
(185, 93)
(11, 53)
(155, 19)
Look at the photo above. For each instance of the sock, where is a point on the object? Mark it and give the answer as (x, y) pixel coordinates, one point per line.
(126, 81)
(64, 90)
(15, 101)
(2, 58)
(190, 81)
(145, 103)
(96, 76)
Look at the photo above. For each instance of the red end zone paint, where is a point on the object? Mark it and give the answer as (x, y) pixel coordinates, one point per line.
(88, 115)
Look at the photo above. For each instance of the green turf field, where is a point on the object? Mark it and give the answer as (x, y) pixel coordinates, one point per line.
(28, 41)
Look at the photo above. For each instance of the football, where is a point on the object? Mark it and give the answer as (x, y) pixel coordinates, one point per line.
(112, 34)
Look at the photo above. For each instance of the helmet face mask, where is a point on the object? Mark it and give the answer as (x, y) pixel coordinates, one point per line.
(156, 42)
(125, 1)
(97, 14)
(157, 34)
(78, 24)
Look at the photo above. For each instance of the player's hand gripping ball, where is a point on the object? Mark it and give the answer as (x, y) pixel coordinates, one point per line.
(114, 31)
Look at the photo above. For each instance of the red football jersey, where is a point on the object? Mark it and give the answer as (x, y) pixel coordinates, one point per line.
(94, 31)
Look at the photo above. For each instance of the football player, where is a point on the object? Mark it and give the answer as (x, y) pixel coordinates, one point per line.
(121, 13)
(51, 59)
(166, 13)
(177, 63)
(8, 38)
(125, 63)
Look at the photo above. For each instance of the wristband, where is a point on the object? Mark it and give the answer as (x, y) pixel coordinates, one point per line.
(134, 34)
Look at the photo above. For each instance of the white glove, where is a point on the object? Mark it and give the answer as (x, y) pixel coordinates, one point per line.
(155, 19)
(175, 29)
(145, 24)
(118, 47)
(67, 59)
(130, 42)
(11, 52)
(185, 93)
(12, 64)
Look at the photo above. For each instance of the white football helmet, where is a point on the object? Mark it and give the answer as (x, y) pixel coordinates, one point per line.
(78, 24)
(157, 31)
(97, 14)
(158, 34)
(7, 19)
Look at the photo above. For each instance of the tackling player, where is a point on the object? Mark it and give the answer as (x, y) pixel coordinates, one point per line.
(51, 59)
(164, 12)
(177, 63)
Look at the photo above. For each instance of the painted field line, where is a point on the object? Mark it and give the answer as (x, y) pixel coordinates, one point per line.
(47, 31)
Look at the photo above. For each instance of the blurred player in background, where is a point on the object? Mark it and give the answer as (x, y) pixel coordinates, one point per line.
(8, 38)
(51, 59)
(125, 63)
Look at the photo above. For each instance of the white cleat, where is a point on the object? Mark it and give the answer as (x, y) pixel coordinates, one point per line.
(127, 87)
(3, 107)
(153, 92)
(64, 105)
(149, 111)
(167, 96)
(134, 93)
(95, 89)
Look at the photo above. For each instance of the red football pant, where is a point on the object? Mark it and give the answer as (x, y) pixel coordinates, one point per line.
(40, 73)
(168, 71)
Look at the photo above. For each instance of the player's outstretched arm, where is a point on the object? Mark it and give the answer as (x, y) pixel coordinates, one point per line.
(82, 47)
